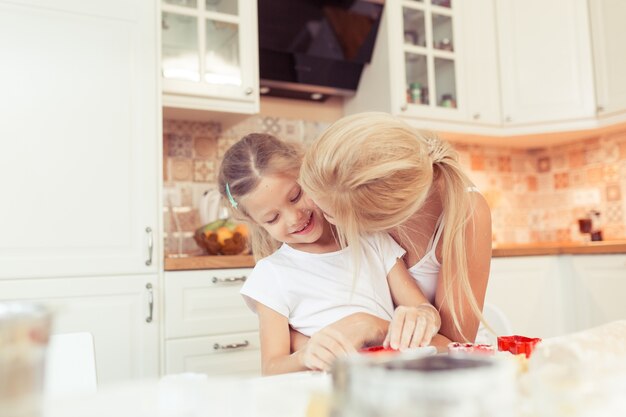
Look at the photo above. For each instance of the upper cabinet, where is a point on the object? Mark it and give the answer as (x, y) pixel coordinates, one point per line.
(498, 67)
(545, 61)
(434, 61)
(209, 55)
(80, 129)
(608, 36)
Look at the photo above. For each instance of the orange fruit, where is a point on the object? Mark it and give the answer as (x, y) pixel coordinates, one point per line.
(243, 229)
(223, 233)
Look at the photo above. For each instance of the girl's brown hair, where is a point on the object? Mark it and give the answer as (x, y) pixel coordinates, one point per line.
(244, 164)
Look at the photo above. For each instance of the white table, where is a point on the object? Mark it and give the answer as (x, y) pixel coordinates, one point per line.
(193, 395)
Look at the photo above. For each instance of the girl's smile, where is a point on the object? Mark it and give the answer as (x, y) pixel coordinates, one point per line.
(307, 226)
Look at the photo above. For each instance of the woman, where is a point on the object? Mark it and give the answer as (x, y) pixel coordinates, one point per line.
(372, 172)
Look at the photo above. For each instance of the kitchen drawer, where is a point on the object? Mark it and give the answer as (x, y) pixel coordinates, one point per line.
(231, 355)
(207, 302)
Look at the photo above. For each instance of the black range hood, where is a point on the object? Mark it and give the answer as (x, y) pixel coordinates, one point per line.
(312, 49)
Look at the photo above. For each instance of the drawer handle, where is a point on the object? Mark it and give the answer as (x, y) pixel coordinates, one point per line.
(217, 346)
(224, 280)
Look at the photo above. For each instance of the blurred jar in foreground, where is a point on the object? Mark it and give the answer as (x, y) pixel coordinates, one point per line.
(24, 334)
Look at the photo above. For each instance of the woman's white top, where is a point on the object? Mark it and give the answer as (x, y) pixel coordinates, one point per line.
(426, 270)
(314, 290)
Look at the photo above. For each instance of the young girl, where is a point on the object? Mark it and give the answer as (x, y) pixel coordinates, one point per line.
(372, 172)
(303, 279)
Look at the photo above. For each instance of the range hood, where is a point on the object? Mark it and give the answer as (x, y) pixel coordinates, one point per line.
(313, 49)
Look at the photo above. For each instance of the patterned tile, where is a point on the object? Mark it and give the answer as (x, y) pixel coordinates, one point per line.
(611, 173)
(577, 178)
(543, 164)
(561, 180)
(545, 182)
(531, 183)
(205, 147)
(563, 235)
(477, 162)
(614, 213)
(576, 159)
(593, 155)
(180, 145)
(272, 126)
(203, 171)
(559, 161)
(595, 175)
(622, 150)
(181, 169)
(613, 192)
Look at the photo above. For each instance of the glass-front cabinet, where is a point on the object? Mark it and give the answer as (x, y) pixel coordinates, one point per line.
(429, 58)
(209, 57)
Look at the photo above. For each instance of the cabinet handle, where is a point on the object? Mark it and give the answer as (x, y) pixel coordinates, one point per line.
(150, 302)
(224, 280)
(150, 246)
(248, 91)
(507, 119)
(217, 346)
(476, 116)
(599, 109)
(404, 107)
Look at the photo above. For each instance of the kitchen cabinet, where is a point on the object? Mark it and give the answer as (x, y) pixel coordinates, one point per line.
(80, 131)
(545, 61)
(209, 55)
(528, 290)
(114, 309)
(435, 63)
(208, 327)
(608, 34)
(598, 285)
(80, 171)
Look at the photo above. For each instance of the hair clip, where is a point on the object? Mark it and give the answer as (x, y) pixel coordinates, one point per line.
(230, 197)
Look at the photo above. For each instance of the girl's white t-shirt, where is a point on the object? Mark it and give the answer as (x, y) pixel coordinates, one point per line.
(314, 290)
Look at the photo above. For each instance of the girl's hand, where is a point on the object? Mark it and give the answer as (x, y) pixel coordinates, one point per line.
(413, 327)
(324, 347)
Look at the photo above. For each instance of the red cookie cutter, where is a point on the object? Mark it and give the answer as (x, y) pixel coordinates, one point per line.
(483, 349)
(517, 344)
(378, 350)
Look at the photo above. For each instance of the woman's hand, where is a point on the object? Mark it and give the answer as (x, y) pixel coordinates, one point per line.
(324, 347)
(413, 327)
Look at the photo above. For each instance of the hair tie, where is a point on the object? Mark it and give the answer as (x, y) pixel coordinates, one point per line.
(230, 197)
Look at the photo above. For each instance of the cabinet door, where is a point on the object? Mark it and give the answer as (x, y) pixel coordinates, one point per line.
(80, 137)
(599, 283)
(232, 355)
(528, 290)
(608, 33)
(545, 61)
(113, 309)
(480, 62)
(201, 303)
(209, 55)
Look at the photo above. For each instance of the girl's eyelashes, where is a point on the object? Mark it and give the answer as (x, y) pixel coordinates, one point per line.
(273, 220)
(297, 197)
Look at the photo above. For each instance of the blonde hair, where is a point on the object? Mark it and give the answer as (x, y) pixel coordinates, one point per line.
(244, 165)
(376, 172)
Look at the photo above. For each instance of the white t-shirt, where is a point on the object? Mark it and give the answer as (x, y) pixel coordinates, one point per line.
(314, 290)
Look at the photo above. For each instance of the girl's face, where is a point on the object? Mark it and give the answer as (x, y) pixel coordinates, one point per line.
(323, 205)
(279, 205)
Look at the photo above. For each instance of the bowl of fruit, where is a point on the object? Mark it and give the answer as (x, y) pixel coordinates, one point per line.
(223, 237)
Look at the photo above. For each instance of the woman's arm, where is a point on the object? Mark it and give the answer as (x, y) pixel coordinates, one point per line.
(478, 246)
(318, 353)
(415, 320)
(361, 330)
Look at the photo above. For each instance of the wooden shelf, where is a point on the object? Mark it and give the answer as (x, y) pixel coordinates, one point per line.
(209, 262)
(564, 248)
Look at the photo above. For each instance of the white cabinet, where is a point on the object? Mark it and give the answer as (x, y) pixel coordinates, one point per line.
(80, 171)
(528, 291)
(208, 327)
(80, 134)
(545, 61)
(209, 55)
(599, 283)
(608, 35)
(115, 310)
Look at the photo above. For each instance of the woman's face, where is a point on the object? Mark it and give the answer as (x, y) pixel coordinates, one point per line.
(324, 207)
(279, 205)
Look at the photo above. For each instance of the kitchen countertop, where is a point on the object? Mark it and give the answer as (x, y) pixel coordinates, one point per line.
(499, 250)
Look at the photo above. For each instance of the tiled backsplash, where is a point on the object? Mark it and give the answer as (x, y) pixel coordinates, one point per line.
(535, 195)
